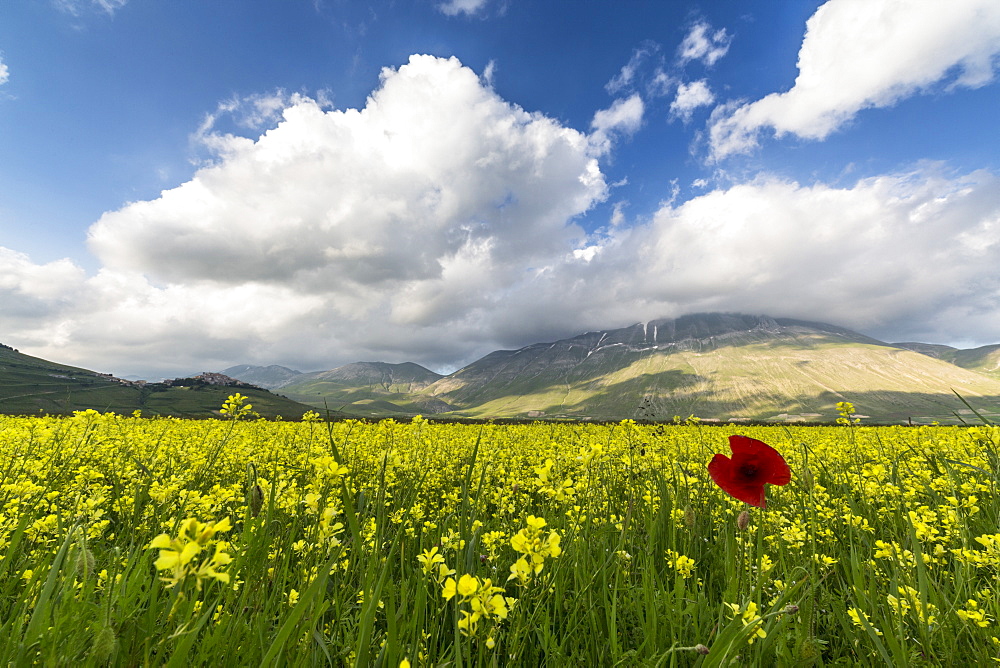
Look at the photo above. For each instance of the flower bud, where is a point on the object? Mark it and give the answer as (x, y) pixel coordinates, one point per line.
(688, 517)
(809, 649)
(82, 561)
(701, 649)
(105, 643)
(256, 500)
(743, 520)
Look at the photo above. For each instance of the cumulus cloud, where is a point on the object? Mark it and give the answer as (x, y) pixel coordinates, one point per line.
(437, 223)
(902, 256)
(435, 166)
(691, 96)
(31, 289)
(624, 116)
(412, 212)
(892, 254)
(467, 7)
(704, 44)
(859, 54)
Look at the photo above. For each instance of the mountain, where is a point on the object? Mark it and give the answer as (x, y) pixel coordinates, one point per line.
(269, 377)
(30, 385)
(985, 359)
(718, 366)
(369, 388)
(935, 350)
(721, 366)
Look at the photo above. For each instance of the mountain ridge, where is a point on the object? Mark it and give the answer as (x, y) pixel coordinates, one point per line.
(718, 365)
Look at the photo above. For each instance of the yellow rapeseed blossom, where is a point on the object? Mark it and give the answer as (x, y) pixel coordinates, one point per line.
(973, 614)
(750, 618)
(429, 559)
(684, 565)
(182, 556)
(536, 548)
(483, 600)
(857, 616)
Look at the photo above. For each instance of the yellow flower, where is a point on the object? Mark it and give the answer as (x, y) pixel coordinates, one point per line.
(467, 585)
(972, 613)
(684, 565)
(180, 555)
(856, 619)
(449, 589)
(535, 546)
(750, 618)
(429, 559)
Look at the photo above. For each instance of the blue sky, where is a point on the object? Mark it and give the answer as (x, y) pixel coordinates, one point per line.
(190, 185)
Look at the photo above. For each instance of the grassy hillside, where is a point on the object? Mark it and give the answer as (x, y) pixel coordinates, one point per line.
(269, 377)
(368, 389)
(797, 374)
(30, 385)
(984, 360)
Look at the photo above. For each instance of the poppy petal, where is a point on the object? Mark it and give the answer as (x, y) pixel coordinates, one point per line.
(754, 464)
(752, 494)
(720, 468)
(769, 460)
(724, 473)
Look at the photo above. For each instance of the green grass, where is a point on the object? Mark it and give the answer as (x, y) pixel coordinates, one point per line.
(30, 386)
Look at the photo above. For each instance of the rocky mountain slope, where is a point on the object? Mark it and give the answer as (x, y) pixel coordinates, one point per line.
(368, 388)
(716, 365)
(721, 366)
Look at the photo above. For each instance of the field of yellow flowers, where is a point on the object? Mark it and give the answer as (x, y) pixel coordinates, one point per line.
(132, 541)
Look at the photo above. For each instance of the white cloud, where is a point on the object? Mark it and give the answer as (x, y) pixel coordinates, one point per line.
(691, 96)
(29, 285)
(904, 256)
(247, 113)
(704, 44)
(467, 7)
(859, 54)
(372, 230)
(624, 116)
(489, 73)
(626, 77)
(436, 224)
(894, 253)
(660, 84)
(4, 72)
(434, 164)
(77, 7)
(111, 6)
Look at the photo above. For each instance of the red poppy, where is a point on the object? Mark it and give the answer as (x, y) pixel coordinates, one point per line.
(754, 464)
